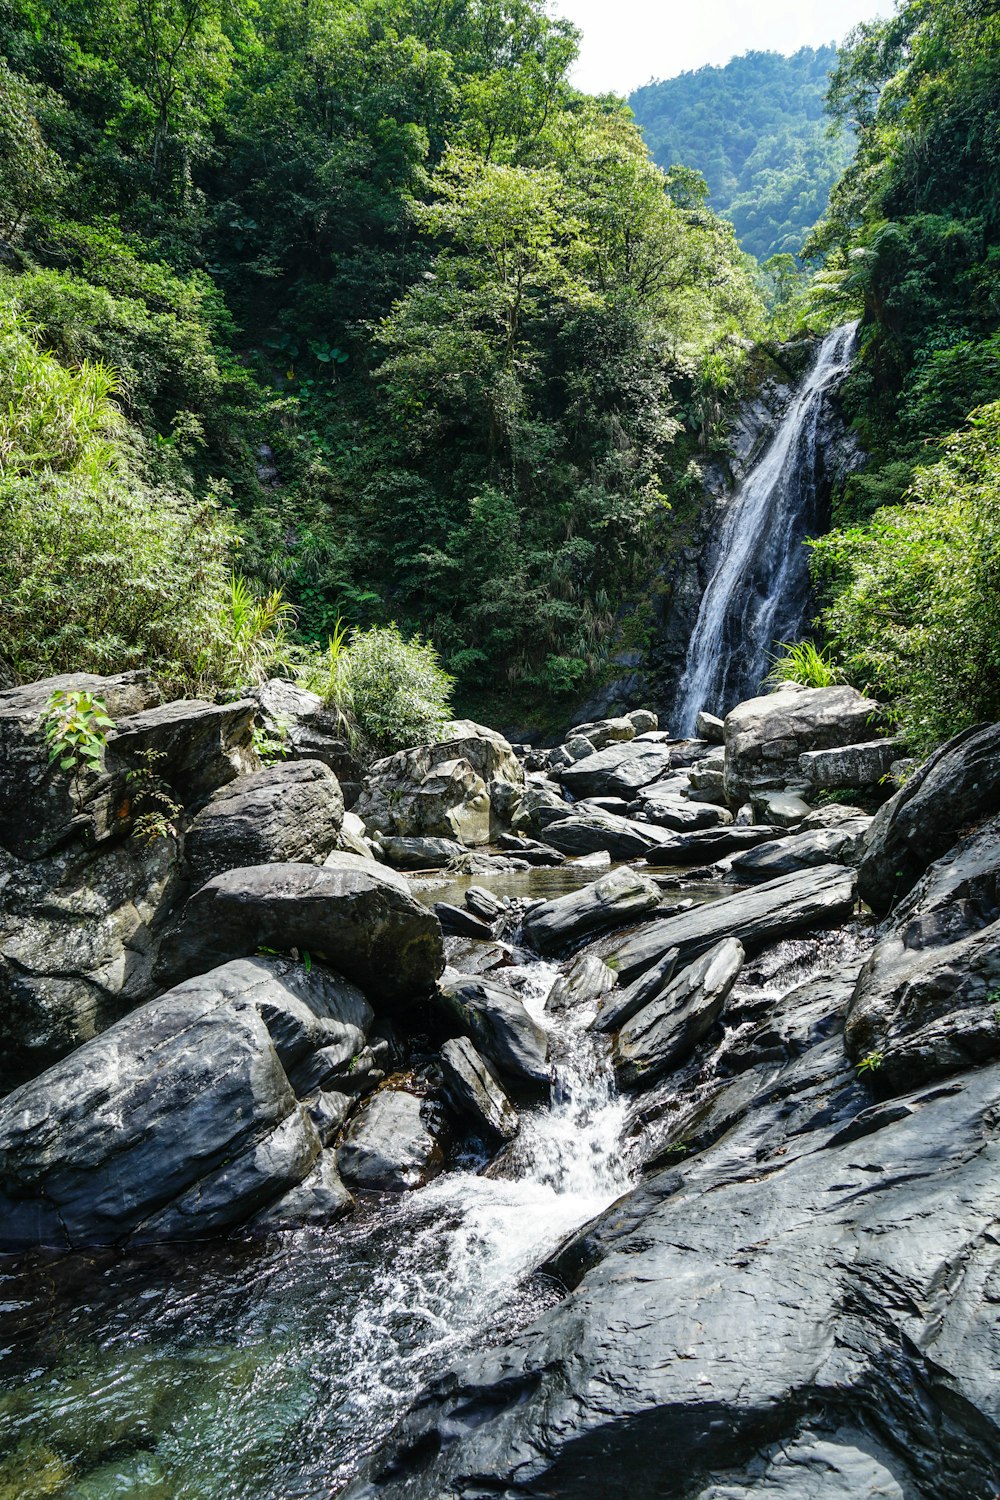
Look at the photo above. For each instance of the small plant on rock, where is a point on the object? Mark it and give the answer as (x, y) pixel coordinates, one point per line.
(154, 809)
(872, 1062)
(76, 728)
(270, 742)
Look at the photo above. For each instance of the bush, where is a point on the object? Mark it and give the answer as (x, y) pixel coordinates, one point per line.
(915, 596)
(804, 662)
(394, 690)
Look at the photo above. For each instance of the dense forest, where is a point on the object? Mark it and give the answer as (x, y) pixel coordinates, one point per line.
(759, 133)
(362, 299)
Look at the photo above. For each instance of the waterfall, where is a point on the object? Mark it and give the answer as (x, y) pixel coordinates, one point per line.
(759, 590)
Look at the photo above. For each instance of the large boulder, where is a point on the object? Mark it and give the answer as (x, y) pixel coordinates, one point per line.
(663, 804)
(540, 805)
(867, 765)
(765, 736)
(957, 787)
(668, 1028)
(193, 746)
(927, 1002)
(183, 1119)
(802, 851)
(618, 899)
(497, 1022)
(795, 903)
(389, 1145)
(605, 732)
(288, 813)
(621, 770)
(360, 921)
(475, 1093)
(592, 832)
(708, 844)
(303, 728)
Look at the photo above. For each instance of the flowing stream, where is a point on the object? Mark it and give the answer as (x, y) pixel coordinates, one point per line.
(759, 590)
(242, 1372)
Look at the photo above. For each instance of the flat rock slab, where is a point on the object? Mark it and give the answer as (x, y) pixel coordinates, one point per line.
(619, 837)
(809, 898)
(617, 900)
(285, 813)
(377, 935)
(710, 843)
(475, 1093)
(666, 1030)
(840, 844)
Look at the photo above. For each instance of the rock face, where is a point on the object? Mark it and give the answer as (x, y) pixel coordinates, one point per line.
(811, 898)
(803, 851)
(497, 1022)
(864, 765)
(617, 900)
(668, 1028)
(765, 736)
(592, 832)
(958, 786)
(297, 721)
(361, 922)
(184, 1118)
(710, 844)
(618, 771)
(388, 1146)
(199, 746)
(927, 1003)
(475, 1093)
(284, 814)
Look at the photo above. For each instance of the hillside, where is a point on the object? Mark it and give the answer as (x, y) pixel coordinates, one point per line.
(757, 130)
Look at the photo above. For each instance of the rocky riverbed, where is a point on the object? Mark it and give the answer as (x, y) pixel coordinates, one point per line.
(500, 1122)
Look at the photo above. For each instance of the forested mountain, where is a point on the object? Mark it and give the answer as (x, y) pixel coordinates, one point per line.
(366, 290)
(758, 131)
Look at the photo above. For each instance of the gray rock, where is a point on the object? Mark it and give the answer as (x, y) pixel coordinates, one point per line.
(540, 805)
(388, 1145)
(604, 732)
(616, 806)
(283, 814)
(578, 748)
(784, 809)
(198, 746)
(367, 864)
(475, 1093)
(420, 854)
(710, 844)
(663, 805)
(617, 900)
(866, 765)
(361, 922)
(619, 1006)
(530, 849)
(484, 904)
(765, 736)
(958, 786)
(457, 922)
(585, 980)
(305, 729)
(182, 1119)
(353, 839)
(802, 851)
(668, 1028)
(795, 903)
(643, 721)
(831, 815)
(599, 860)
(621, 770)
(497, 1022)
(320, 1198)
(710, 728)
(619, 837)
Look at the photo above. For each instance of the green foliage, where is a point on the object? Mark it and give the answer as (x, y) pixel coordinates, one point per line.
(806, 663)
(913, 604)
(76, 728)
(153, 809)
(756, 130)
(394, 690)
(872, 1062)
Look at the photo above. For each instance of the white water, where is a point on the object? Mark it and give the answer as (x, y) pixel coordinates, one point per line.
(759, 587)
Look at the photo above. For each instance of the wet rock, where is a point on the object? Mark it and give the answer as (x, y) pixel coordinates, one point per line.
(360, 921)
(473, 956)
(388, 1145)
(618, 771)
(484, 904)
(320, 1198)
(599, 860)
(585, 980)
(803, 851)
(795, 903)
(619, 1006)
(619, 837)
(710, 728)
(958, 786)
(783, 809)
(710, 843)
(284, 813)
(420, 854)
(866, 765)
(497, 1022)
(765, 736)
(668, 1028)
(182, 1119)
(456, 922)
(474, 1092)
(481, 862)
(617, 900)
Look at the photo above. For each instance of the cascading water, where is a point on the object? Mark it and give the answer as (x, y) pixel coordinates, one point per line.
(759, 589)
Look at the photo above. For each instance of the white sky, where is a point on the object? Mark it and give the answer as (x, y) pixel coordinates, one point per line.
(628, 42)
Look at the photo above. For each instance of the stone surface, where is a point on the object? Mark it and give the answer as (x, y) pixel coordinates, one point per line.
(475, 1093)
(457, 922)
(298, 721)
(198, 746)
(604, 732)
(496, 1021)
(783, 809)
(663, 805)
(617, 1006)
(802, 851)
(958, 786)
(583, 981)
(643, 720)
(765, 736)
(540, 805)
(361, 922)
(618, 771)
(795, 903)
(865, 765)
(710, 727)
(709, 844)
(666, 1029)
(285, 813)
(182, 1119)
(420, 854)
(621, 838)
(388, 1145)
(617, 900)
(530, 849)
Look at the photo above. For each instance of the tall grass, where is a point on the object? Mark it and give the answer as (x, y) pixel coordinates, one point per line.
(805, 663)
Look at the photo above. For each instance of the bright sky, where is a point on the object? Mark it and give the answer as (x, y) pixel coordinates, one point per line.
(628, 42)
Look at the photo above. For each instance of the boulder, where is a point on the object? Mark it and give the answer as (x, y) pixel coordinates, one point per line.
(197, 747)
(283, 814)
(666, 1030)
(475, 1094)
(540, 805)
(618, 771)
(795, 903)
(304, 729)
(927, 1002)
(484, 904)
(663, 805)
(710, 844)
(182, 1119)
(784, 809)
(388, 1145)
(618, 899)
(618, 1006)
(578, 748)
(343, 859)
(709, 727)
(320, 1198)
(360, 921)
(497, 1022)
(604, 732)
(457, 922)
(530, 849)
(584, 980)
(643, 720)
(619, 837)
(831, 815)
(802, 851)
(867, 765)
(765, 736)
(957, 787)
(420, 854)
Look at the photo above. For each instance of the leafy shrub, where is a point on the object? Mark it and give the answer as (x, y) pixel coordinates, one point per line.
(394, 689)
(804, 662)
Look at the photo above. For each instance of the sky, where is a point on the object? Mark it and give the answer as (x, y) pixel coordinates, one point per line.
(628, 42)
